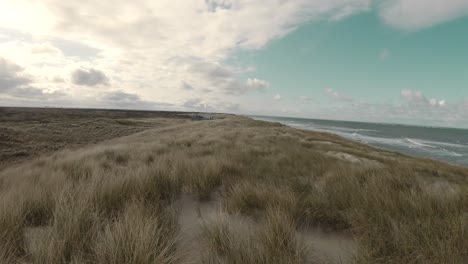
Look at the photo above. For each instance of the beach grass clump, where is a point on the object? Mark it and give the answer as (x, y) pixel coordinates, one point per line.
(38, 204)
(203, 176)
(251, 198)
(390, 204)
(274, 242)
(12, 223)
(279, 241)
(74, 225)
(140, 234)
(109, 195)
(157, 183)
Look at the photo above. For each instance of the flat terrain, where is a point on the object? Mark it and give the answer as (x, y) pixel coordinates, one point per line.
(26, 133)
(229, 190)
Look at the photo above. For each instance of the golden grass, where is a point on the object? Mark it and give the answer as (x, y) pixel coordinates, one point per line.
(141, 234)
(274, 242)
(116, 202)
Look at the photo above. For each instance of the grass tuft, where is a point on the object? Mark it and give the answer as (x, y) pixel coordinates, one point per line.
(138, 235)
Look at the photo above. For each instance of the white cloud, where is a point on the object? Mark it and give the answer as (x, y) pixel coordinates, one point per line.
(417, 98)
(337, 96)
(173, 51)
(415, 109)
(277, 97)
(412, 96)
(330, 92)
(419, 14)
(15, 84)
(154, 46)
(216, 105)
(218, 77)
(384, 54)
(44, 48)
(196, 104)
(257, 84)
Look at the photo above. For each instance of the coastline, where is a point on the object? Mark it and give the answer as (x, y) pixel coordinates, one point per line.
(414, 147)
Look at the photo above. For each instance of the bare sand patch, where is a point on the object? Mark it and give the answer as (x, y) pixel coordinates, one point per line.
(324, 246)
(190, 220)
(193, 214)
(353, 159)
(328, 247)
(321, 142)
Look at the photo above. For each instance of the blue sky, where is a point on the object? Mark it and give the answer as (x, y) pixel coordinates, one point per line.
(365, 58)
(396, 61)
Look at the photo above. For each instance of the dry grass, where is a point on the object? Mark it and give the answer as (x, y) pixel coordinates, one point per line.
(116, 202)
(26, 133)
(140, 234)
(253, 198)
(274, 242)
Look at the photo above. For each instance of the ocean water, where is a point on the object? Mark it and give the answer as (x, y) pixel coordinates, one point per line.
(446, 144)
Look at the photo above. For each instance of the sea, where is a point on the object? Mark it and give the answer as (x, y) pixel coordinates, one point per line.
(445, 144)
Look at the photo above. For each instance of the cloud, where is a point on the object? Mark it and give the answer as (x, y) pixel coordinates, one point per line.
(197, 104)
(214, 105)
(58, 79)
(257, 84)
(404, 111)
(146, 44)
(231, 107)
(14, 83)
(384, 54)
(277, 97)
(414, 108)
(44, 48)
(330, 92)
(11, 75)
(412, 96)
(88, 77)
(221, 78)
(419, 14)
(120, 96)
(25, 92)
(337, 96)
(212, 75)
(434, 102)
(417, 98)
(454, 114)
(152, 45)
(122, 99)
(186, 86)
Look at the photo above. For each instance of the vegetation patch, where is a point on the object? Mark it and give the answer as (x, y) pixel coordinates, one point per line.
(117, 201)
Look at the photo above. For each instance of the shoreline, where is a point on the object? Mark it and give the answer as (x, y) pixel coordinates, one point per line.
(386, 147)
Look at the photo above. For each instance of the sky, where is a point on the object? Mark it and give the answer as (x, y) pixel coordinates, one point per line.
(392, 61)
